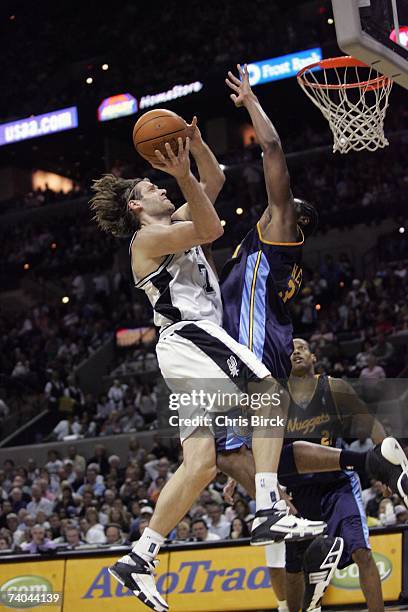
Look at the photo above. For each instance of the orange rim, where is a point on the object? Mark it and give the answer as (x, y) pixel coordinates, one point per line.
(346, 61)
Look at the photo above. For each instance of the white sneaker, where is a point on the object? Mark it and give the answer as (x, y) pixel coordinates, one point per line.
(276, 524)
(137, 575)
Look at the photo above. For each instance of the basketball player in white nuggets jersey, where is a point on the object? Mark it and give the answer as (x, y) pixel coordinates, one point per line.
(169, 264)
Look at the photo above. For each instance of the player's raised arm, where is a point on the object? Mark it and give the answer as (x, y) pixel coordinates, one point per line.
(212, 178)
(159, 239)
(280, 199)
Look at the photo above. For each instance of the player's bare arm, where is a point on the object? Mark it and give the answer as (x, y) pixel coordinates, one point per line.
(212, 178)
(350, 405)
(156, 240)
(278, 223)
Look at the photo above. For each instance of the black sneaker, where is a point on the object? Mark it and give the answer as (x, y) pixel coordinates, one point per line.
(276, 524)
(388, 463)
(137, 575)
(319, 564)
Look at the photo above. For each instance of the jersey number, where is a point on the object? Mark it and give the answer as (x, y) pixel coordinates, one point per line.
(206, 280)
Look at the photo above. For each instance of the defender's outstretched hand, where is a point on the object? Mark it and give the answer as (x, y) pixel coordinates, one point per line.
(196, 140)
(176, 165)
(240, 86)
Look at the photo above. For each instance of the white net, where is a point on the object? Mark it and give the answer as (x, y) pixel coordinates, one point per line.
(354, 100)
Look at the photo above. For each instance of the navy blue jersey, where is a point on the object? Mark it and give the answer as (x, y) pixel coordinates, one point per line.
(320, 422)
(257, 285)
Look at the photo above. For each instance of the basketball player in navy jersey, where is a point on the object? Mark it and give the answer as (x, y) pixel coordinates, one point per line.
(169, 264)
(257, 285)
(336, 496)
(326, 408)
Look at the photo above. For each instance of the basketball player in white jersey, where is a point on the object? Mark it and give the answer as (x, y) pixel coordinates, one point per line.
(169, 264)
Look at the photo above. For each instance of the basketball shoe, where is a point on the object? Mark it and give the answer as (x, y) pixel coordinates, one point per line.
(319, 564)
(276, 524)
(137, 575)
(388, 463)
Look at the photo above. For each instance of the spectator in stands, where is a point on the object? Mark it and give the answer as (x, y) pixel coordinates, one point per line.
(119, 517)
(16, 499)
(93, 480)
(114, 467)
(216, 521)
(72, 537)
(95, 532)
(78, 460)
(13, 528)
(239, 529)
(401, 513)
(182, 532)
(39, 502)
(116, 395)
(54, 390)
(114, 535)
(386, 513)
(54, 462)
(39, 542)
(100, 458)
(66, 504)
(132, 420)
(362, 356)
(5, 544)
(146, 403)
(373, 372)
(200, 531)
(383, 350)
(73, 391)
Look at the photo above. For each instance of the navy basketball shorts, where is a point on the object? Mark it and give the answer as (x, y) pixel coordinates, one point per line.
(340, 505)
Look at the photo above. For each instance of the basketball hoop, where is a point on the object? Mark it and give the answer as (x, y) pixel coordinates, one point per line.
(353, 97)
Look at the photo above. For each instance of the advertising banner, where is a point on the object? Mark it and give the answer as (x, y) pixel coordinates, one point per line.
(230, 578)
(36, 584)
(192, 580)
(39, 125)
(120, 105)
(282, 67)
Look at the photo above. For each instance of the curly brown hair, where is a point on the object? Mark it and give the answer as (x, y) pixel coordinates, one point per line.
(110, 205)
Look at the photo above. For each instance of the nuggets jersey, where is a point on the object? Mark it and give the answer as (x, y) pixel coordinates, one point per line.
(257, 285)
(316, 421)
(183, 288)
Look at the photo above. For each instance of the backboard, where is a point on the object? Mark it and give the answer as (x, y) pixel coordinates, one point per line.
(375, 32)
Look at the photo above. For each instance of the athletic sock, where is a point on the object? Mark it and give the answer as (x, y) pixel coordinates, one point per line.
(148, 545)
(266, 484)
(352, 460)
(282, 606)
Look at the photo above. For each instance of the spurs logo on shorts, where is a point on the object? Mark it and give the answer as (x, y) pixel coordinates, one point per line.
(233, 366)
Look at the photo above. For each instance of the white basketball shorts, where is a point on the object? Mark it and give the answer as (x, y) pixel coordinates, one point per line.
(200, 357)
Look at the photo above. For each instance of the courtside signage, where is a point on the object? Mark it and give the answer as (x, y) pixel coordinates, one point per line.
(178, 91)
(282, 67)
(120, 105)
(39, 125)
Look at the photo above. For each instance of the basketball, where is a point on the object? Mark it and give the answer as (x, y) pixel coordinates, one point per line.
(154, 129)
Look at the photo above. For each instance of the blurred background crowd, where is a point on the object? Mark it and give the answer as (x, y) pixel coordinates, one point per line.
(101, 501)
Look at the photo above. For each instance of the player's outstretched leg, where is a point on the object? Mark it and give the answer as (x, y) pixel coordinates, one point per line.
(272, 522)
(319, 564)
(388, 463)
(136, 569)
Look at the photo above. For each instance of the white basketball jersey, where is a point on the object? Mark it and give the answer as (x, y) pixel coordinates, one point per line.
(183, 288)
